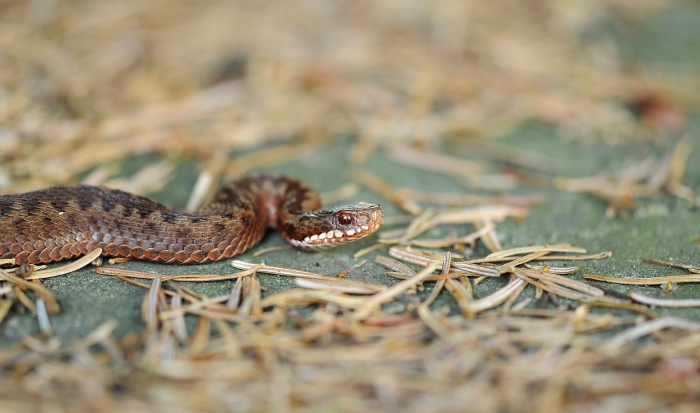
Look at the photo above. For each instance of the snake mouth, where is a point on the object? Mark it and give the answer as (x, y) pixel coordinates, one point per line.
(364, 222)
(337, 236)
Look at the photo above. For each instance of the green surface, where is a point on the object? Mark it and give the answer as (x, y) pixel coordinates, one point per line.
(668, 232)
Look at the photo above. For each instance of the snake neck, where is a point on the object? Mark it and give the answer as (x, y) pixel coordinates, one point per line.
(278, 201)
(294, 209)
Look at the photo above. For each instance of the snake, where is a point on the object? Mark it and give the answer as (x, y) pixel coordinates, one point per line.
(69, 221)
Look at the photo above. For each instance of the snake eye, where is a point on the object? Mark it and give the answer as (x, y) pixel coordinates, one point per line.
(345, 219)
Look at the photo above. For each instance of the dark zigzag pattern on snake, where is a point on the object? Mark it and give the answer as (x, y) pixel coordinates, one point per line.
(65, 222)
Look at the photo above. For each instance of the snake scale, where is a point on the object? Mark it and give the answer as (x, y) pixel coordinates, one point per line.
(64, 222)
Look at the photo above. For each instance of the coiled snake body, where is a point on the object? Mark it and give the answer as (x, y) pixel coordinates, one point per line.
(64, 222)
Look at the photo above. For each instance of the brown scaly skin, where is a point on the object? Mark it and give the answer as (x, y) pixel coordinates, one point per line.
(65, 222)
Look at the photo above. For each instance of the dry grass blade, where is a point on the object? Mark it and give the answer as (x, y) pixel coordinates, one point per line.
(438, 277)
(347, 269)
(205, 185)
(473, 270)
(412, 257)
(624, 306)
(42, 316)
(553, 270)
(179, 326)
(668, 302)
(209, 303)
(382, 188)
(395, 265)
(269, 269)
(467, 268)
(435, 162)
(446, 263)
(367, 250)
(691, 268)
(201, 189)
(536, 248)
(101, 334)
(150, 305)
(555, 287)
(369, 283)
(23, 298)
(619, 197)
(480, 214)
(689, 278)
(151, 178)
(148, 286)
(5, 306)
(234, 299)
(523, 157)
(73, 266)
(266, 157)
(433, 323)
(298, 297)
(469, 239)
(671, 170)
(514, 287)
(382, 297)
(649, 327)
(490, 237)
(679, 159)
(563, 281)
(23, 271)
(418, 225)
(510, 266)
(462, 296)
(252, 295)
(364, 147)
(340, 285)
(41, 292)
(644, 179)
(201, 337)
(179, 277)
(342, 193)
(598, 256)
(469, 200)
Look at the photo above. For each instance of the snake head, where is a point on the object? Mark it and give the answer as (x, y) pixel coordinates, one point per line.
(335, 226)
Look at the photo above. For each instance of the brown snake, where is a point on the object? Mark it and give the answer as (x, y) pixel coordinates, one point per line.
(65, 222)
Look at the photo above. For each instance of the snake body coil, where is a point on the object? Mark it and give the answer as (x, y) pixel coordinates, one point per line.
(65, 222)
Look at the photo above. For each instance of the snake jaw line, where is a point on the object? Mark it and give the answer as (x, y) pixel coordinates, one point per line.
(365, 220)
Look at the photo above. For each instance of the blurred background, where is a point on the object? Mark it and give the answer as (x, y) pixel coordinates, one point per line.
(87, 84)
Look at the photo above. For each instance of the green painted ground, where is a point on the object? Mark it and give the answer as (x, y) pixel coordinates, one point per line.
(669, 232)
